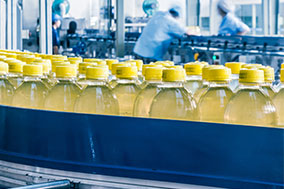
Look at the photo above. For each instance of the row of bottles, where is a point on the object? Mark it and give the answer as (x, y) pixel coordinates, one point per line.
(235, 93)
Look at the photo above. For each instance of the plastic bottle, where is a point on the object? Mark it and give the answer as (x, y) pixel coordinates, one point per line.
(113, 79)
(212, 104)
(46, 69)
(63, 95)
(278, 101)
(269, 77)
(126, 89)
(82, 72)
(15, 75)
(250, 106)
(97, 98)
(144, 67)
(173, 101)
(31, 93)
(194, 77)
(6, 88)
(235, 69)
(153, 78)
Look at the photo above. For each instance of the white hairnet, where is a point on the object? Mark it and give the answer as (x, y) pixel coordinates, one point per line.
(226, 5)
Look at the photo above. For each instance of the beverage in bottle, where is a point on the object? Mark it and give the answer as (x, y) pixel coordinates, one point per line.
(63, 95)
(235, 69)
(250, 106)
(97, 97)
(193, 77)
(173, 101)
(15, 75)
(278, 101)
(153, 79)
(269, 77)
(126, 89)
(6, 88)
(31, 93)
(212, 104)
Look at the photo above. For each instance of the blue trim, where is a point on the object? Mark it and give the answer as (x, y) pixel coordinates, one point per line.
(210, 154)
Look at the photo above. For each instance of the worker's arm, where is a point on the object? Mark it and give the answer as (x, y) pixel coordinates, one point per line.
(242, 28)
(176, 29)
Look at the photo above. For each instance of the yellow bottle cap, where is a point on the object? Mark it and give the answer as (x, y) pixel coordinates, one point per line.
(2, 58)
(4, 68)
(251, 66)
(174, 67)
(138, 64)
(110, 62)
(58, 63)
(219, 74)
(30, 59)
(282, 75)
(153, 73)
(57, 58)
(145, 66)
(193, 68)
(162, 63)
(16, 66)
(66, 71)
(282, 66)
(45, 67)
(115, 65)
(91, 59)
(173, 75)
(251, 76)
(126, 72)
(8, 60)
(204, 63)
(80, 59)
(83, 66)
(269, 75)
(97, 72)
(11, 55)
(170, 62)
(32, 70)
(234, 66)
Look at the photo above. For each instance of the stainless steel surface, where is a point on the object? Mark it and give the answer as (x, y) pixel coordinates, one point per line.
(61, 184)
(14, 175)
(120, 28)
(45, 22)
(2, 24)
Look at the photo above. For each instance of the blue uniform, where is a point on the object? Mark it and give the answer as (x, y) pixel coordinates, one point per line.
(158, 35)
(231, 25)
(55, 38)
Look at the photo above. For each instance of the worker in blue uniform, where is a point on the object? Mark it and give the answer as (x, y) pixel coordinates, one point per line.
(156, 37)
(56, 22)
(230, 25)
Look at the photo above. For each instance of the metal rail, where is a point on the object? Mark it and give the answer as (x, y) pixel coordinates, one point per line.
(60, 184)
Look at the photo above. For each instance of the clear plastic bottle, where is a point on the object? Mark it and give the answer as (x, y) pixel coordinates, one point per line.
(97, 98)
(278, 101)
(82, 72)
(235, 68)
(250, 106)
(6, 88)
(139, 65)
(31, 93)
(46, 69)
(126, 89)
(15, 75)
(153, 79)
(144, 67)
(212, 104)
(63, 95)
(194, 77)
(173, 101)
(269, 77)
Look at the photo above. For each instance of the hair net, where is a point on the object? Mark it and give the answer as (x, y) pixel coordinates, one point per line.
(176, 9)
(56, 17)
(226, 6)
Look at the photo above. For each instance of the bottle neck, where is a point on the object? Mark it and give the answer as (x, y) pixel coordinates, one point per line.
(3, 76)
(235, 76)
(96, 82)
(32, 78)
(124, 80)
(218, 84)
(176, 84)
(153, 82)
(249, 86)
(15, 74)
(193, 77)
(66, 79)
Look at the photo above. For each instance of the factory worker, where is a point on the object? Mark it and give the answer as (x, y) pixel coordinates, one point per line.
(230, 25)
(156, 37)
(56, 22)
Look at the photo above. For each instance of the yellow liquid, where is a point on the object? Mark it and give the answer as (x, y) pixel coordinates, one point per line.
(212, 104)
(144, 100)
(97, 99)
(193, 84)
(30, 94)
(6, 91)
(173, 102)
(268, 90)
(278, 101)
(198, 94)
(249, 106)
(62, 96)
(126, 93)
(16, 80)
